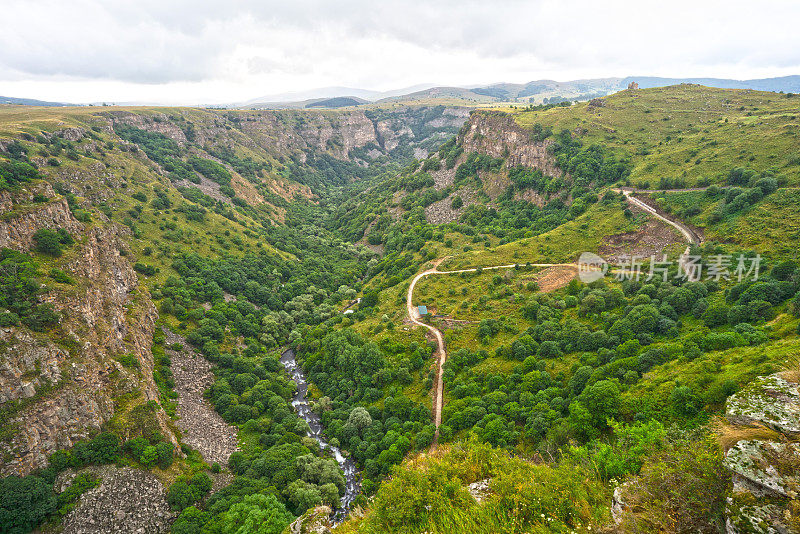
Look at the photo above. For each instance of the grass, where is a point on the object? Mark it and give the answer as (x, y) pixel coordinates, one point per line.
(687, 131)
(561, 245)
(771, 227)
(709, 372)
(472, 296)
(428, 494)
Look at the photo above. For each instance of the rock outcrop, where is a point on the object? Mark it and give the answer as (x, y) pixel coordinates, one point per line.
(771, 400)
(498, 135)
(766, 473)
(69, 381)
(24, 220)
(480, 490)
(314, 521)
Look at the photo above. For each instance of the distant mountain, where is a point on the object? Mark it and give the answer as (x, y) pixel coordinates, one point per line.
(311, 103)
(337, 102)
(538, 91)
(533, 92)
(30, 102)
(292, 99)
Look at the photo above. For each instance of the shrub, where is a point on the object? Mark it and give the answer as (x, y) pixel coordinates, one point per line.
(102, 449)
(82, 483)
(145, 269)
(47, 241)
(182, 493)
(164, 454)
(128, 360)
(135, 447)
(24, 503)
(61, 277)
(211, 170)
(13, 173)
(680, 490)
(716, 315)
(9, 319)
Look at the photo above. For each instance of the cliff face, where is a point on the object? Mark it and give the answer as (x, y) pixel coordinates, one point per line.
(282, 132)
(497, 135)
(63, 385)
(20, 218)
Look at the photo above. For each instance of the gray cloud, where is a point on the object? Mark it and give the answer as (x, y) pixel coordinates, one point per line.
(273, 46)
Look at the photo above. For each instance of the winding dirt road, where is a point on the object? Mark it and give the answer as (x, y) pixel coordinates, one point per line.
(691, 237)
(441, 351)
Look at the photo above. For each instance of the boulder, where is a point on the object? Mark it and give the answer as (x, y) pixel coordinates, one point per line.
(765, 467)
(480, 489)
(314, 521)
(770, 400)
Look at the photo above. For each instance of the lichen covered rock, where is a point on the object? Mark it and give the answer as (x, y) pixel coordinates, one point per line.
(770, 400)
(765, 467)
(314, 521)
(748, 514)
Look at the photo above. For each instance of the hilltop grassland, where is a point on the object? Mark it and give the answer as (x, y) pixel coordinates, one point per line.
(690, 133)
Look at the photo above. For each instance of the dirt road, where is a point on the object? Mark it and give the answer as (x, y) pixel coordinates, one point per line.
(441, 351)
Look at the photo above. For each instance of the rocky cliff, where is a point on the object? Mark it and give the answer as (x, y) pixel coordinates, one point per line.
(61, 386)
(494, 134)
(281, 133)
(499, 136)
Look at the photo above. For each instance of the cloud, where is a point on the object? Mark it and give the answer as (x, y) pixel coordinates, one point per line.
(246, 47)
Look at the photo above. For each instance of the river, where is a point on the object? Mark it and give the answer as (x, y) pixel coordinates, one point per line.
(303, 409)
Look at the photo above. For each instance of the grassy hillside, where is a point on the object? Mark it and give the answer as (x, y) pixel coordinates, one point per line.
(771, 227)
(687, 132)
(563, 244)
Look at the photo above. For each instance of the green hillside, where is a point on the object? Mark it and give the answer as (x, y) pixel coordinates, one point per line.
(688, 133)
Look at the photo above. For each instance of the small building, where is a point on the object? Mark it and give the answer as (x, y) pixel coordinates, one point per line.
(423, 310)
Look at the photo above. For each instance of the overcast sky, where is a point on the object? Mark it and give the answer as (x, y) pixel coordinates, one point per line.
(195, 51)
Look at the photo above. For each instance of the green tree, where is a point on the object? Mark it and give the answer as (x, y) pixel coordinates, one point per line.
(359, 418)
(24, 503)
(256, 514)
(602, 400)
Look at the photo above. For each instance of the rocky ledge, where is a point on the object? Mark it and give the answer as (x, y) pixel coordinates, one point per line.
(769, 400)
(766, 473)
(314, 521)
